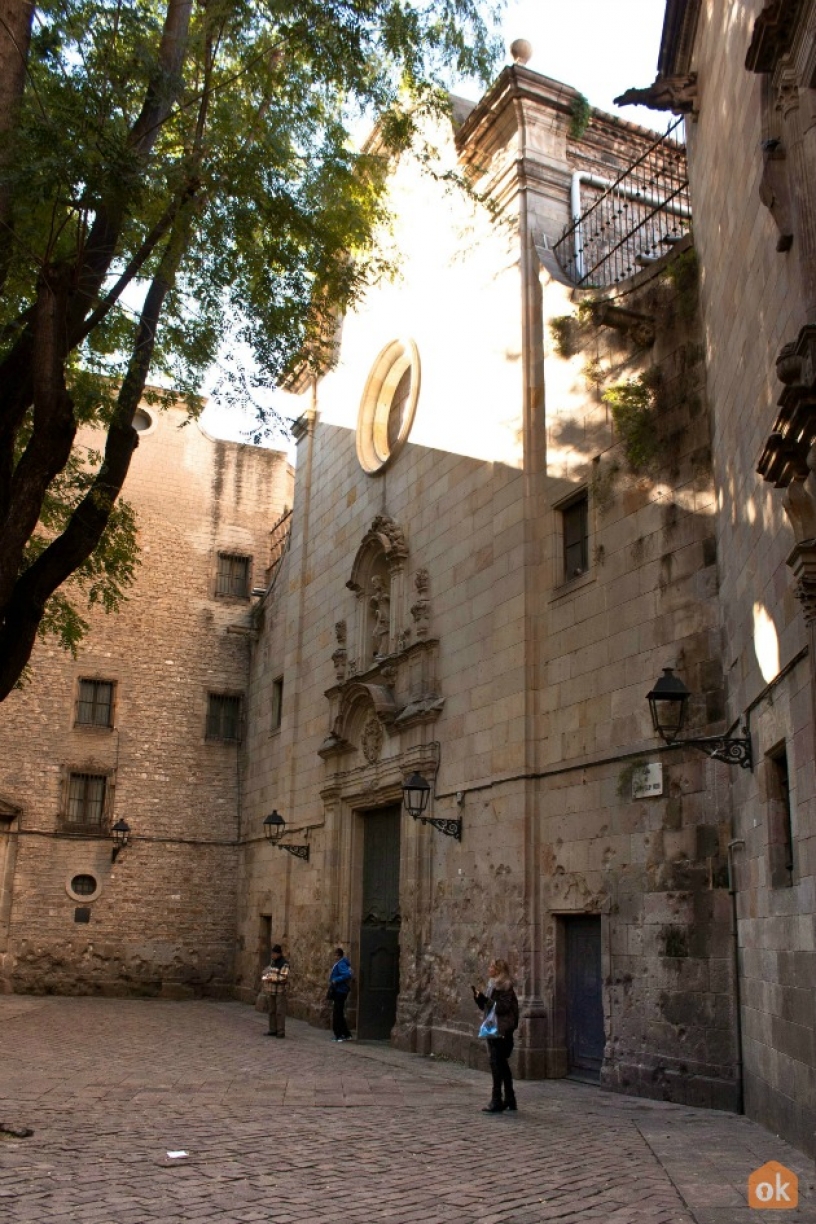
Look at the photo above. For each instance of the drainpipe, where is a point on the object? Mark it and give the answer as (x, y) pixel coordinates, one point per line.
(732, 892)
(628, 193)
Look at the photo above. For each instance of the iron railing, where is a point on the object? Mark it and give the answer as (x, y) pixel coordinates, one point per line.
(632, 221)
(279, 538)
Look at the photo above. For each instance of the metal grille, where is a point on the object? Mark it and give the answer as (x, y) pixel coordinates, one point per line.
(233, 575)
(95, 703)
(86, 799)
(632, 221)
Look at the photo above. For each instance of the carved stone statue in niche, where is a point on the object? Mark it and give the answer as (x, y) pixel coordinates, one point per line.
(371, 740)
(380, 604)
(421, 610)
(340, 655)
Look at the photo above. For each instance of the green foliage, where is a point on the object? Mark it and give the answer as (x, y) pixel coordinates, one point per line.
(563, 332)
(683, 274)
(632, 405)
(181, 182)
(580, 112)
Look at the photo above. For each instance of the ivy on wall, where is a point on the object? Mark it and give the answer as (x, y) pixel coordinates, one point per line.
(632, 404)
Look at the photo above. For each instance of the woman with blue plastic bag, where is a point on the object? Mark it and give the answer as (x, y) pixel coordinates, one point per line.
(501, 1016)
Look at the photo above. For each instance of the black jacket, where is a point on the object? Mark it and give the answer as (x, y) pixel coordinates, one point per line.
(503, 996)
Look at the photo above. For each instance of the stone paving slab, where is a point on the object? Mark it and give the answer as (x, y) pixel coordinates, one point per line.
(306, 1131)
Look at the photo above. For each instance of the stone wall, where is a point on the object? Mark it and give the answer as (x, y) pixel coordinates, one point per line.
(753, 302)
(521, 695)
(162, 917)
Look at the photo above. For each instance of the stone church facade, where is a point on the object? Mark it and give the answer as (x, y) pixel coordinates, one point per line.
(563, 450)
(481, 588)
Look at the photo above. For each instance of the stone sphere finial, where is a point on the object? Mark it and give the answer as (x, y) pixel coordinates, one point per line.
(521, 50)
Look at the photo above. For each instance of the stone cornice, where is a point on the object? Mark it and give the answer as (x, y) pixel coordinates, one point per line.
(773, 34)
(677, 38)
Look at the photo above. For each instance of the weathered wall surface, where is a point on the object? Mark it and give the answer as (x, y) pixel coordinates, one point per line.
(655, 868)
(539, 683)
(753, 303)
(162, 916)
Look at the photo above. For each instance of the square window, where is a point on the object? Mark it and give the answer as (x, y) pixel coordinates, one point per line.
(85, 806)
(277, 703)
(233, 575)
(223, 717)
(95, 703)
(575, 532)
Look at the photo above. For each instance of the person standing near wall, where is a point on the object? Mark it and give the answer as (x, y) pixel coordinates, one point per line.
(501, 1016)
(275, 979)
(340, 980)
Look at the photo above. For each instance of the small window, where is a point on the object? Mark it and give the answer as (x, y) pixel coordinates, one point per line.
(95, 703)
(575, 528)
(780, 821)
(233, 575)
(277, 703)
(85, 808)
(84, 885)
(223, 717)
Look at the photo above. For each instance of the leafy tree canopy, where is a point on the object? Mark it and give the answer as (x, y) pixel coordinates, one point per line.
(174, 175)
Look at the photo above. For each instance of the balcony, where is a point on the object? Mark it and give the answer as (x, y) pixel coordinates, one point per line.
(622, 226)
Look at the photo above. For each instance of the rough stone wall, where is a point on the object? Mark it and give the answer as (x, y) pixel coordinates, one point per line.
(163, 916)
(654, 868)
(752, 304)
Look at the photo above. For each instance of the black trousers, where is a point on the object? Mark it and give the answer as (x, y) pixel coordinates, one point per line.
(500, 1049)
(339, 1026)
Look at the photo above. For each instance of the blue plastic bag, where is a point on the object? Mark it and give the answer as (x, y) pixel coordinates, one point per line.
(490, 1026)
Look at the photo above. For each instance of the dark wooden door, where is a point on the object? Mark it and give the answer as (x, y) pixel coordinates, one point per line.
(379, 930)
(585, 1026)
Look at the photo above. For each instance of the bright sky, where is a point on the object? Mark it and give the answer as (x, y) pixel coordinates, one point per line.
(600, 47)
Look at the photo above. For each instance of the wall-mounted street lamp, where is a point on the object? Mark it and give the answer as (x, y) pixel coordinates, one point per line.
(120, 834)
(415, 795)
(274, 827)
(668, 702)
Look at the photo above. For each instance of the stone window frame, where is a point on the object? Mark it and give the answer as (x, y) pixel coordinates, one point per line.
(276, 705)
(378, 443)
(780, 806)
(562, 508)
(150, 428)
(225, 579)
(223, 696)
(70, 773)
(91, 725)
(83, 898)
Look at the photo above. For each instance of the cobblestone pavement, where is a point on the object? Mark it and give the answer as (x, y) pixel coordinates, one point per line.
(308, 1130)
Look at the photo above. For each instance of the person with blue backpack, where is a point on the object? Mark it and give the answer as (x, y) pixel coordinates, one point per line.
(340, 980)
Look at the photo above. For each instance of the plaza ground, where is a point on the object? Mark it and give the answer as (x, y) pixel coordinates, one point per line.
(308, 1130)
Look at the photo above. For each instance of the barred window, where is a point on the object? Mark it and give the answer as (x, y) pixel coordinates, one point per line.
(233, 575)
(95, 703)
(223, 717)
(575, 526)
(86, 800)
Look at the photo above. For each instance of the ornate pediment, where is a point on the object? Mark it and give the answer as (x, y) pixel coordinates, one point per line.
(384, 537)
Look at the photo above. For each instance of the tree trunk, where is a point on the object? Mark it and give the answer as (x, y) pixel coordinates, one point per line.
(15, 38)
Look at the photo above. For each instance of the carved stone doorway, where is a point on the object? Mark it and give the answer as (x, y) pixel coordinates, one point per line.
(380, 925)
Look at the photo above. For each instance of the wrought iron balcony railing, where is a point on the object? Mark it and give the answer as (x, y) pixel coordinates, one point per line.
(630, 222)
